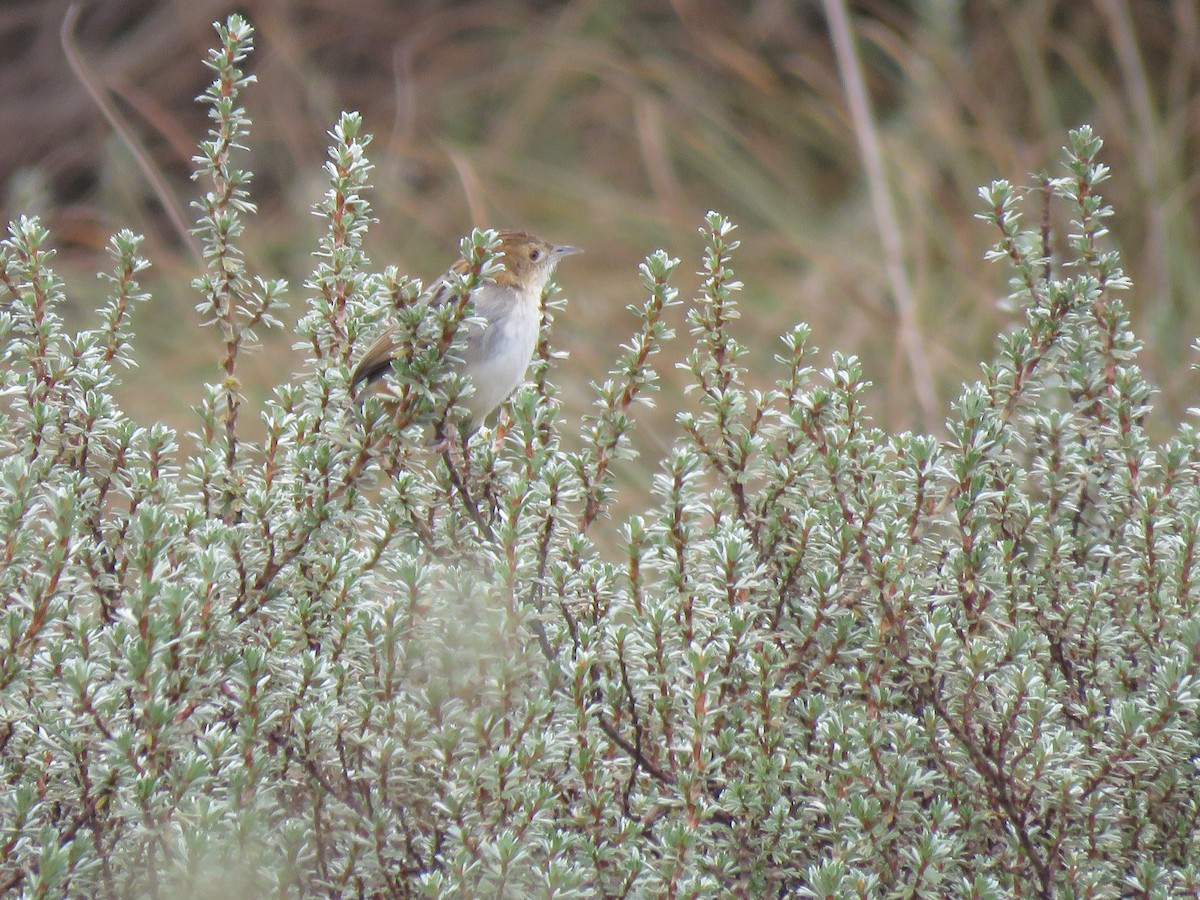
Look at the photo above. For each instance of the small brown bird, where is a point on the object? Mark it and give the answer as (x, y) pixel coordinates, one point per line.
(497, 352)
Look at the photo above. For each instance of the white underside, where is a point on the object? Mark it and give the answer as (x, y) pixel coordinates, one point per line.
(497, 362)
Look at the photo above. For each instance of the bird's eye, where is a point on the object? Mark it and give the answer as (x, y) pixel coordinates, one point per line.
(535, 254)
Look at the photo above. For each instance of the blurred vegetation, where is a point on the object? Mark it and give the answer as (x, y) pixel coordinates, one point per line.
(615, 125)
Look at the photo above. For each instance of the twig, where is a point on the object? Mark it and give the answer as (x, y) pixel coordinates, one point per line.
(632, 751)
(469, 504)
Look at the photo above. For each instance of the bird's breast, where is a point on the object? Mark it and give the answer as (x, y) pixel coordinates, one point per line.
(497, 356)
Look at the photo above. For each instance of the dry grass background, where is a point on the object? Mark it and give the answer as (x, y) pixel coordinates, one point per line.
(615, 124)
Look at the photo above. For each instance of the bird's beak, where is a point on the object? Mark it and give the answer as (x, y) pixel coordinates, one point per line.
(567, 250)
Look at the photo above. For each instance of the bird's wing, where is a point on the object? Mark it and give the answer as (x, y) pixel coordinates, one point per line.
(377, 360)
(442, 291)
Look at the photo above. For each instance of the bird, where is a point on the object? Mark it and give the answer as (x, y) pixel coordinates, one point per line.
(498, 349)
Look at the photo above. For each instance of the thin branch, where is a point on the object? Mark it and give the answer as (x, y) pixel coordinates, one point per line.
(632, 751)
(92, 85)
(881, 205)
(469, 504)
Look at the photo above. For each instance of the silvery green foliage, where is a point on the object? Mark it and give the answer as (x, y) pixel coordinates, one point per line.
(825, 661)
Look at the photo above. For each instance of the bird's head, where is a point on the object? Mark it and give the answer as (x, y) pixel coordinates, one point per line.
(528, 261)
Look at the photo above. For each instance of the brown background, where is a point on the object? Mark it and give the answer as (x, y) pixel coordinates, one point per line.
(615, 126)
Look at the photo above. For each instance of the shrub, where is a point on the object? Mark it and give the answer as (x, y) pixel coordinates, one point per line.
(824, 661)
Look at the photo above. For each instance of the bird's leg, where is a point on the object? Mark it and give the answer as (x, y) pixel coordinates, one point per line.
(451, 445)
(444, 436)
(502, 425)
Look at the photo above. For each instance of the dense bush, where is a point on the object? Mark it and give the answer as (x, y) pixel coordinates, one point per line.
(826, 661)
